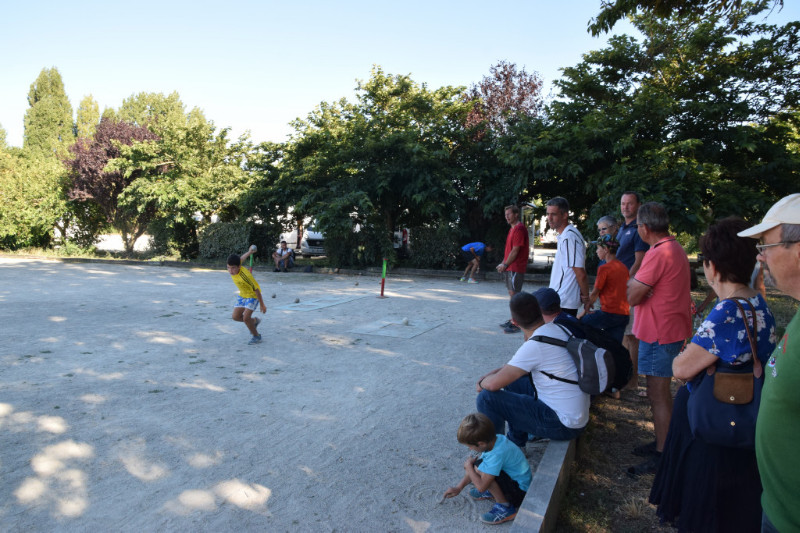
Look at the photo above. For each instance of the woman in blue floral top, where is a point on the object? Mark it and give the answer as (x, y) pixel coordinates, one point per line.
(699, 486)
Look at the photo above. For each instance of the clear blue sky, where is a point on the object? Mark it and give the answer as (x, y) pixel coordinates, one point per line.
(257, 65)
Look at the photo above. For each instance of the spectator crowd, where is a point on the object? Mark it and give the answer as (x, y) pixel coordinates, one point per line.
(722, 453)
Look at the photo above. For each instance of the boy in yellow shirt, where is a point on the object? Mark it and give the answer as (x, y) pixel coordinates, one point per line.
(249, 295)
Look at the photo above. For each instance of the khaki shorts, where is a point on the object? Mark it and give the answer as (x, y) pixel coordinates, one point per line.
(629, 327)
(514, 280)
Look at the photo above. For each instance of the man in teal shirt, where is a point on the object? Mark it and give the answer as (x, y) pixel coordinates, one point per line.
(778, 426)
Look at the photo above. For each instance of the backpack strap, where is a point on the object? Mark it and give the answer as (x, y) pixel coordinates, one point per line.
(564, 380)
(555, 342)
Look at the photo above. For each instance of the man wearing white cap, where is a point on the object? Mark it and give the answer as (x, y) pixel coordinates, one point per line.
(778, 426)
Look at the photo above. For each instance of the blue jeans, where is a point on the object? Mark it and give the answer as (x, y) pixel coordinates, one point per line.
(612, 324)
(517, 405)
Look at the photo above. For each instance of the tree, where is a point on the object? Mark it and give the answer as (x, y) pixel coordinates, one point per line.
(503, 97)
(612, 11)
(191, 169)
(499, 101)
(31, 195)
(48, 120)
(3, 136)
(88, 116)
(696, 116)
(385, 161)
(91, 181)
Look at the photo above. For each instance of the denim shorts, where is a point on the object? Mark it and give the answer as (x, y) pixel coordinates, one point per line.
(247, 303)
(656, 359)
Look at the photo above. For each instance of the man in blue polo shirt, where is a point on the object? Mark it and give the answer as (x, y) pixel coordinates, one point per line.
(631, 252)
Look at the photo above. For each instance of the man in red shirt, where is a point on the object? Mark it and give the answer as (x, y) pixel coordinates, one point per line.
(515, 259)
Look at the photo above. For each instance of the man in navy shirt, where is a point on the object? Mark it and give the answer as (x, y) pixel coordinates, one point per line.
(631, 252)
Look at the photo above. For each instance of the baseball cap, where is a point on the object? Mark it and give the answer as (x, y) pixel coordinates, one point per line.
(785, 211)
(549, 300)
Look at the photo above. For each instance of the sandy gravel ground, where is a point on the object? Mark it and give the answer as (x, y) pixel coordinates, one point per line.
(129, 401)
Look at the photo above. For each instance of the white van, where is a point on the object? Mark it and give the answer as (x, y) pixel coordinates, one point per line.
(312, 242)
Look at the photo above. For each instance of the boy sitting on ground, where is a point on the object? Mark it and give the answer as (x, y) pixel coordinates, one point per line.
(501, 473)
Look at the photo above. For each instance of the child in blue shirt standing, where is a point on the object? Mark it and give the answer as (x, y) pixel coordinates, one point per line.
(501, 473)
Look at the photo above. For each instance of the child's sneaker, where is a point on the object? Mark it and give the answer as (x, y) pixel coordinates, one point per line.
(475, 494)
(255, 339)
(470, 280)
(462, 279)
(499, 513)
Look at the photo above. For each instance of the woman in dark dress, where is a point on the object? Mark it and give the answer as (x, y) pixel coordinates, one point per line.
(699, 486)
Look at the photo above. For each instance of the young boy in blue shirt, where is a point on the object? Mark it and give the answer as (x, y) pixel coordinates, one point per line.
(249, 298)
(501, 473)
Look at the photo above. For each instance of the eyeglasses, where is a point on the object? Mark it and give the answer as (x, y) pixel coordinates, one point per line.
(762, 247)
(602, 229)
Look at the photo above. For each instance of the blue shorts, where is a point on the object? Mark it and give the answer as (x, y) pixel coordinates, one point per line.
(247, 303)
(656, 359)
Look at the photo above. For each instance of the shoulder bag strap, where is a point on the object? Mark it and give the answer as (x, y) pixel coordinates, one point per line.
(757, 368)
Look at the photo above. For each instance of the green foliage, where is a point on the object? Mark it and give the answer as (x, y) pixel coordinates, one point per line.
(83, 223)
(88, 117)
(265, 199)
(219, 240)
(698, 116)
(190, 169)
(31, 193)
(358, 249)
(435, 247)
(615, 10)
(168, 238)
(48, 120)
(3, 137)
(386, 161)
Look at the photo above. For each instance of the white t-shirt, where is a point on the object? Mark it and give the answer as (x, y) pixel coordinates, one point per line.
(570, 252)
(569, 402)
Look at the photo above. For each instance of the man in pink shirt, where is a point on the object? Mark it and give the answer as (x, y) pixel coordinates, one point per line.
(660, 292)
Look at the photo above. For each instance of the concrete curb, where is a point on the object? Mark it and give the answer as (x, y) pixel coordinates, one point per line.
(539, 509)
